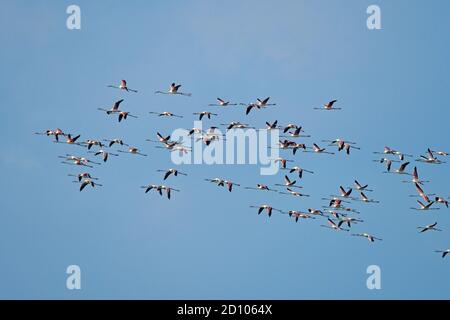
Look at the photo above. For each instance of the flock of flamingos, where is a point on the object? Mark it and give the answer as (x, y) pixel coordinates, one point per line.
(337, 213)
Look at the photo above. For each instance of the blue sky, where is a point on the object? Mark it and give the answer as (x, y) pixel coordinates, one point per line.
(207, 243)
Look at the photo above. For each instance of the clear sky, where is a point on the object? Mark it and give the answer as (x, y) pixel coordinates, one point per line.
(393, 86)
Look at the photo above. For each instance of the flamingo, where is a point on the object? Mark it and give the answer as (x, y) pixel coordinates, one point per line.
(165, 114)
(160, 189)
(333, 225)
(286, 144)
(297, 134)
(125, 114)
(82, 175)
(299, 170)
(261, 187)
(289, 127)
(388, 163)
(345, 194)
(168, 190)
(348, 221)
(114, 108)
(400, 170)
(415, 178)
(115, 141)
(296, 146)
(297, 215)
(122, 86)
(441, 153)
(91, 143)
(218, 181)
(162, 139)
(315, 212)
(272, 126)
(388, 150)
(266, 207)
(77, 160)
(335, 203)
(430, 158)
(56, 133)
(444, 252)
(347, 148)
(203, 114)
(259, 104)
(288, 183)
(104, 154)
(283, 161)
(366, 235)
(317, 149)
(70, 140)
(170, 171)
(151, 187)
(230, 185)
(236, 125)
(338, 141)
(174, 146)
(424, 207)
(132, 150)
(222, 103)
(365, 199)
(421, 193)
(329, 106)
(441, 200)
(360, 187)
(86, 182)
(173, 89)
(429, 227)
(294, 193)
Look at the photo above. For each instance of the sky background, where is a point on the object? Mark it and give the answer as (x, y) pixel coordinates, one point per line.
(206, 243)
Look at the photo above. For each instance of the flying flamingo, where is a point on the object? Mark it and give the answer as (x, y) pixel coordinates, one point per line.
(115, 141)
(266, 207)
(56, 133)
(204, 114)
(222, 103)
(82, 175)
(444, 252)
(329, 106)
(424, 207)
(317, 149)
(415, 178)
(429, 227)
(297, 215)
(360, 187)
(294, 193)
(170, 171)
(114, 108)
(299, 170)
(173, 89)
(86, 182)
(132, 150)
(104, 154)
(366, 235)
(261, 187)
(333, 225)
(288, 183)
(122, 86)
(441, 200)
(165, 114)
